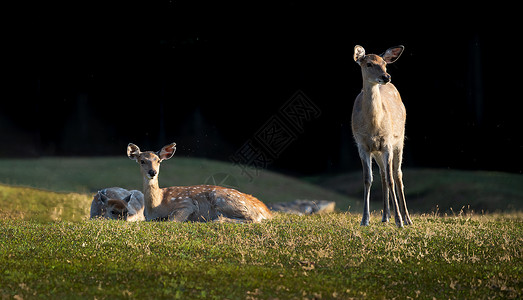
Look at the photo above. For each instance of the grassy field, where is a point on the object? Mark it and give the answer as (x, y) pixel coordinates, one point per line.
(48, 247)
(289, 257)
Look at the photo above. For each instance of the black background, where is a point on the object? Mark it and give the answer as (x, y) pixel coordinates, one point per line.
(86, 78)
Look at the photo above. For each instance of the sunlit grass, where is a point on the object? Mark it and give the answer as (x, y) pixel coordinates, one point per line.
(323, 256)
(42, 206)
(48, 247)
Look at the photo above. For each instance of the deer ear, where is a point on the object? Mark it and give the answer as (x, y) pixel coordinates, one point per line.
(359, 53)
(103, 198)
(167, 151)
(128, 198)
(392, 54)
(133, 151)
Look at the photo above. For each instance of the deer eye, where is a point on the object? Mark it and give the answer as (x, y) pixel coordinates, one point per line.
(142, 161)
(369, 65)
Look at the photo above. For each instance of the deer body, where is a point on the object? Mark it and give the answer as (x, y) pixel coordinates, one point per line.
(378, 121)
(378, 126)
(191, 203)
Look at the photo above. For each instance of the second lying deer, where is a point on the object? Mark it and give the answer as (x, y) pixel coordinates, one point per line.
(191, 203)
(118, 203)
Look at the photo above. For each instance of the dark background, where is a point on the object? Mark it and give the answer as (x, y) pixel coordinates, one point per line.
(86, 78)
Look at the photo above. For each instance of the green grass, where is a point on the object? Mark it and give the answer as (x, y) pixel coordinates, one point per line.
(42, 206)
(322, 256)
(48, 247)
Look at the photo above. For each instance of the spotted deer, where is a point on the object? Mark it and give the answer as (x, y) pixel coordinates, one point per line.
(378, 126)
(191, 203)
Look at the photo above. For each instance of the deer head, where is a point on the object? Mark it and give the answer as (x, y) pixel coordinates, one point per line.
(129, 208)
(149, 161)
(374, 67)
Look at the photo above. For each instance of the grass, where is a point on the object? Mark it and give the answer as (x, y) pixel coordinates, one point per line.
(48, 247)
(42, 206)
(313, 257)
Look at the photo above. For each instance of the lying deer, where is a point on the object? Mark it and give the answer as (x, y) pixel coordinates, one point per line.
(191, 203)
(378, 126)
(119, 204)
(111, 203)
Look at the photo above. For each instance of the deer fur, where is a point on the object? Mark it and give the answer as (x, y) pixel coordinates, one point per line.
(118, 203)
(191, 203)
(107, 204)
(378, 126)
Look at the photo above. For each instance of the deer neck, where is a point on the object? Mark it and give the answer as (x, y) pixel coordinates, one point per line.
(372, 105)
(153, 195)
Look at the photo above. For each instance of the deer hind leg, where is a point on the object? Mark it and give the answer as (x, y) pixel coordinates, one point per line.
(366, 161)
(229, 207)
(387, 161)
(400, 189)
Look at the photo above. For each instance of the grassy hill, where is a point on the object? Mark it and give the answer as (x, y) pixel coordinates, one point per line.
(84, 176)
(42, 206)
(446, 191)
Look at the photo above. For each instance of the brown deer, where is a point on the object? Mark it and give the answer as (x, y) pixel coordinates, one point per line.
(378, 126)
(191, 203)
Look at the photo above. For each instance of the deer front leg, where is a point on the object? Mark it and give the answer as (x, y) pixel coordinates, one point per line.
(181, 215)
(366, 162)
(385, 190)
(183, 211)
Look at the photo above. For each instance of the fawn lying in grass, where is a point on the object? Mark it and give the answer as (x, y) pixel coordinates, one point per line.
(118, 203)
(191, 203)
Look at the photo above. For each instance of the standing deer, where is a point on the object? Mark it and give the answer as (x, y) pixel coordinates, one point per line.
(191, 203)
(378, 126)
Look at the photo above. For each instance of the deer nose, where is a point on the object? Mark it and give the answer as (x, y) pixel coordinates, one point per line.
(152, 173)
(385, 78)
